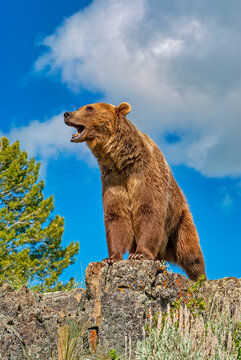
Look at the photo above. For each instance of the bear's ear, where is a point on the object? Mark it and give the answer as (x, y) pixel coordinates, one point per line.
(124, 108)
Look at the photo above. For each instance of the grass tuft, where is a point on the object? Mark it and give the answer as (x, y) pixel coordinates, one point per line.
(180, 334)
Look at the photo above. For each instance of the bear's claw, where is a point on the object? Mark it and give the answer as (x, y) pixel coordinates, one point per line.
(136, 257)
(110, 261)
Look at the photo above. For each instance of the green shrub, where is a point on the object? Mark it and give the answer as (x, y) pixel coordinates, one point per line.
(113, 354)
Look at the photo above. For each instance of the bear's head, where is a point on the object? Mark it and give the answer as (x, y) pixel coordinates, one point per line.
(95, 122)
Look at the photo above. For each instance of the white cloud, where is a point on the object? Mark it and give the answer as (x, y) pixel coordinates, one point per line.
(178, 65)
(167, 47)
(43, 139)
(227, 202)
(47, 140)
(227, 197)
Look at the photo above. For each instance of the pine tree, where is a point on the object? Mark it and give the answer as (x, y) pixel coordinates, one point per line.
(30, 239)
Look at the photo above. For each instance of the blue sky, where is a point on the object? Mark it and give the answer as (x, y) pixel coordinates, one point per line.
(177, 63)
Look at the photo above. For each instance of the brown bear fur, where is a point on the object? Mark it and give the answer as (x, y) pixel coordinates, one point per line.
(145, 211)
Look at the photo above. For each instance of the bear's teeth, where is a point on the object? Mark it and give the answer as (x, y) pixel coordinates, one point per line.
(74, 135)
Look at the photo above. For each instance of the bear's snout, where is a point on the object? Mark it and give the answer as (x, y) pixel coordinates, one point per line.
(67, 114)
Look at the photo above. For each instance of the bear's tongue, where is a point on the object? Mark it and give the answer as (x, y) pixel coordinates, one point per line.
(78, 136)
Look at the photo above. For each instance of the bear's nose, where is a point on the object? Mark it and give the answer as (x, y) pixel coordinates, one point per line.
(67, 114)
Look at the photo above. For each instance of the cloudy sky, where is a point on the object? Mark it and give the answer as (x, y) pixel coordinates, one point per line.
(176, 62)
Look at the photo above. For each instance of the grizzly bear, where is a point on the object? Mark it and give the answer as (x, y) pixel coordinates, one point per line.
(145, 211)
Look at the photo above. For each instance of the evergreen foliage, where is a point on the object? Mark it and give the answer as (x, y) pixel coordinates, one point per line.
(30, 239)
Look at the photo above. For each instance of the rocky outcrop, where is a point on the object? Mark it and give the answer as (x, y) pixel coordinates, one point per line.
(113, 310)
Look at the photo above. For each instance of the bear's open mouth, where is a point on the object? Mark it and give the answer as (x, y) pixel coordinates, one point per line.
(79, 135)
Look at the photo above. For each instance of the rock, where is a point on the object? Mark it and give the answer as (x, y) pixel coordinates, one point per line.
(112, 312)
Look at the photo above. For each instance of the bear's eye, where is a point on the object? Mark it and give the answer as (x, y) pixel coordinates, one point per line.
(89, 108)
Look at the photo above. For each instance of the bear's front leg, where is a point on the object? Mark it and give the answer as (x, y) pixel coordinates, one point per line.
(118, 225)
(149, 227)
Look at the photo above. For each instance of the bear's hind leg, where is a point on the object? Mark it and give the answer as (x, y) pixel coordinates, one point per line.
(188, 253)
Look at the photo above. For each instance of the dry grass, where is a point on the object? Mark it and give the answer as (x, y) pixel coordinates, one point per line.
(70, 342)
(180, 334)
